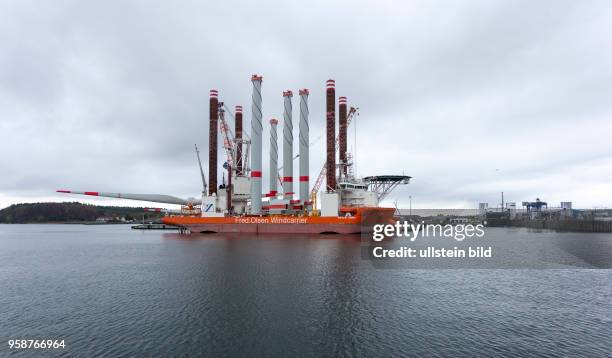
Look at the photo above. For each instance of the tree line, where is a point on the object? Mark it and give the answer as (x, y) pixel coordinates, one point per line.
(67, 212)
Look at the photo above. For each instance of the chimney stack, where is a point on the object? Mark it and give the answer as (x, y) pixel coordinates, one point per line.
(331, 136)
(342, 124)
(287, 146)
(238, 130)
(212, 142)
(256, 128)
(273, 158)
(304, 147)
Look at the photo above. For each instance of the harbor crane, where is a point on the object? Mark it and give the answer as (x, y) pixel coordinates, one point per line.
(353, 112)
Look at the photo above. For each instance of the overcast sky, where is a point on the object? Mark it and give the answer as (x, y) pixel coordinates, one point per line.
(471, 98)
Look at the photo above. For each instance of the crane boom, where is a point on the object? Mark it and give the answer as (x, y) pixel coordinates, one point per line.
(201, 170)
(227, 136)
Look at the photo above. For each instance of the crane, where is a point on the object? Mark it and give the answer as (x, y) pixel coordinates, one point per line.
(229, 139)
(317, 185)
(204, 191)
(228, 136)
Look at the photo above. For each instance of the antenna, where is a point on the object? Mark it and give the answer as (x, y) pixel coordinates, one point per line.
(204, 191)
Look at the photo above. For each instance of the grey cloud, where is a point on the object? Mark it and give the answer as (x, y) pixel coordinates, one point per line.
(113, 95)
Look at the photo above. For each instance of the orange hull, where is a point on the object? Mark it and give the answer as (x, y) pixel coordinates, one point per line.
(360, 220)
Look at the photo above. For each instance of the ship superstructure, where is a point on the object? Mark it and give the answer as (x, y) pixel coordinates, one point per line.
(347, 204)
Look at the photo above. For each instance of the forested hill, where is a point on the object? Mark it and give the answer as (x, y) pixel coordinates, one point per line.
(68, 212)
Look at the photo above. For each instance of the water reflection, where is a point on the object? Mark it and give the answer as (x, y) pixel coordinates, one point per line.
(116, 292)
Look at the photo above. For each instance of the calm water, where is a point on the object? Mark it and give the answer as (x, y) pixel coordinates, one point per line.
(108, 290)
